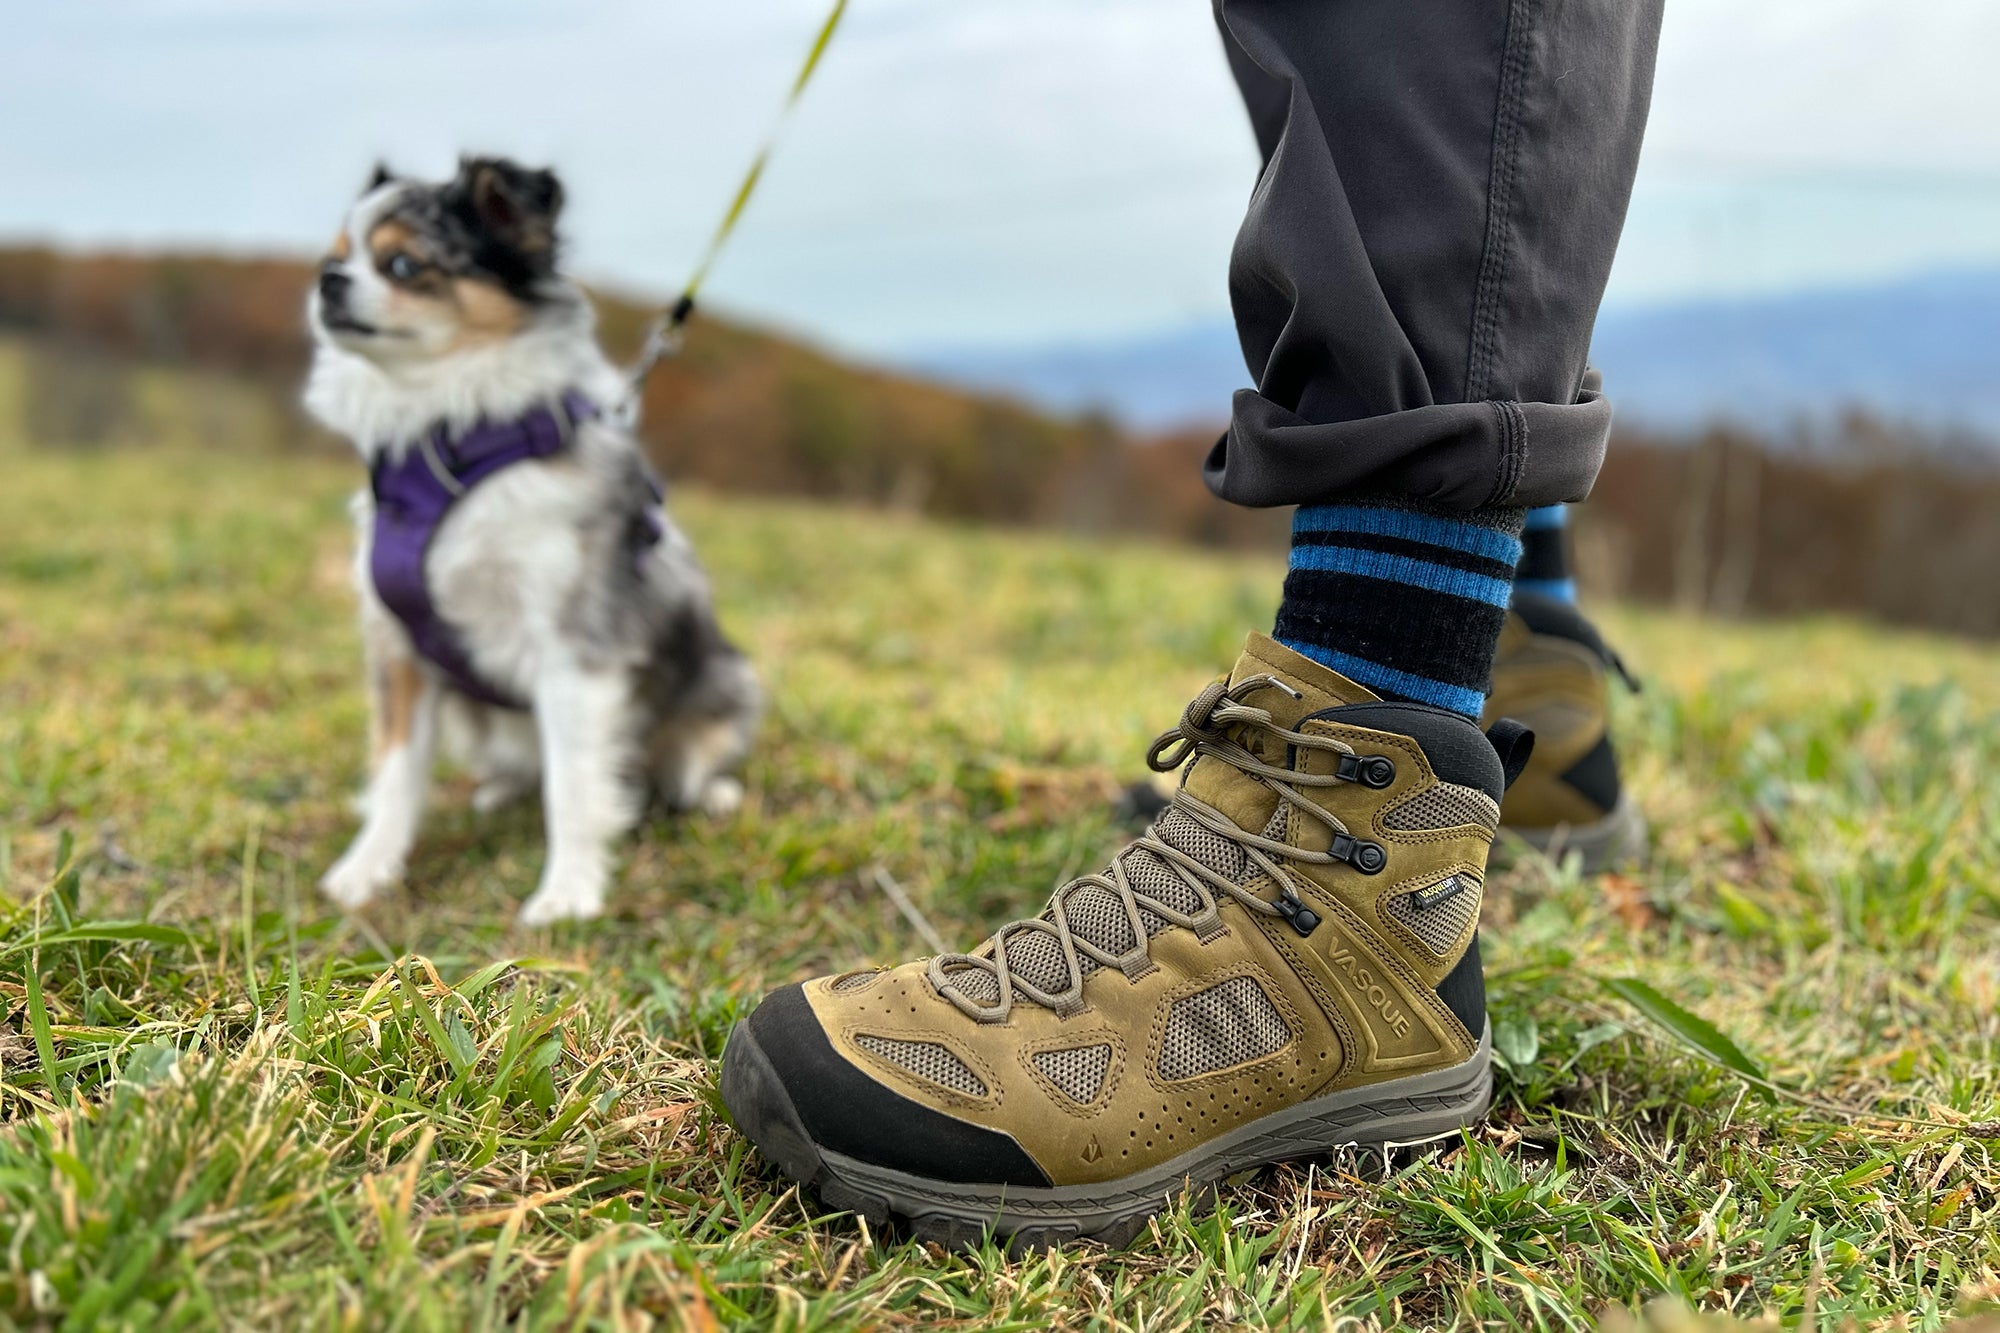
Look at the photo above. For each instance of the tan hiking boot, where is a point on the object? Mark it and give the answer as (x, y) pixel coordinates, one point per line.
(1285, 963)
(1551, 674)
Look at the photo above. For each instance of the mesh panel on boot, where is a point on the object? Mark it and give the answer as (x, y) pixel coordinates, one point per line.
(1213, 850)
(925, 1059)
(977, 984)
(1036, 957)
(1219, 1028)
(1162, 883)
(1095, 914)
(1446, 805)
(1444, 921)
(853, 981)
(1079, 1072)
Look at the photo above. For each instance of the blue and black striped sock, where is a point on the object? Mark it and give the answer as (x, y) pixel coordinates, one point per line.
(1545, 567)
(1406, 600)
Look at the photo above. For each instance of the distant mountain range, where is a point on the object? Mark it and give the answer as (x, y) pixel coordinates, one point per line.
(1925, 350)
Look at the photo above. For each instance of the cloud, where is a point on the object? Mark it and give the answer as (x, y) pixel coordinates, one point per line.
(977, 171)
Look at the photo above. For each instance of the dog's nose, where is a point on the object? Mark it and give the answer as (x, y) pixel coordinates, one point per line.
(333, 284)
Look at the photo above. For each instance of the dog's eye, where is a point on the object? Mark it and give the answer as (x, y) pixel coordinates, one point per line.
(401, 267)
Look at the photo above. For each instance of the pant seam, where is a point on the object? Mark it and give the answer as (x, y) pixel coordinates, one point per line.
(1511, 428)
(1499, 203)
(1517, 453)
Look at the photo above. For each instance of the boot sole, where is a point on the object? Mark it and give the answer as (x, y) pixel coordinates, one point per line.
(1417, 1109)
(1618, 839)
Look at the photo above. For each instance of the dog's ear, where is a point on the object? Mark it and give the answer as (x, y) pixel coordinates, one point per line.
(513, 204)
(378, 178)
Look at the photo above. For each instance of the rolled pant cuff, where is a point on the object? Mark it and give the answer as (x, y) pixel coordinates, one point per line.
(1457, 456)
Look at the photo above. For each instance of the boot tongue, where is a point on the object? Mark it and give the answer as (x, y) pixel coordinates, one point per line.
(1244, 799)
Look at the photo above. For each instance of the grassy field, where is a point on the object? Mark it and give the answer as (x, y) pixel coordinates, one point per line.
(223, 1105)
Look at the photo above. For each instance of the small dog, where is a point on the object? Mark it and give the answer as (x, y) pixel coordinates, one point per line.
(524, 599)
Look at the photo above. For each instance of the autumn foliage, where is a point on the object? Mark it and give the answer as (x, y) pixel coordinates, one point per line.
(1860, 517)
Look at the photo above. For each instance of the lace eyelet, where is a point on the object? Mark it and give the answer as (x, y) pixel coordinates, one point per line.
(1367, 857)
(1372, 770)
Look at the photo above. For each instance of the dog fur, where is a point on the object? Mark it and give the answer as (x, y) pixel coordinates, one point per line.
(442, 304)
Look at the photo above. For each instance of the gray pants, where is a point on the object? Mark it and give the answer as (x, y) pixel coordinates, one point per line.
(1415, 282)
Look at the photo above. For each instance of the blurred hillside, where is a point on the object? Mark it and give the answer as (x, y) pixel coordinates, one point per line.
(1851, 515)
(1918, 350)
(739, 410)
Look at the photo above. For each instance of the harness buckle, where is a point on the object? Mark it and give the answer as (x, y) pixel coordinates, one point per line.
(427, 445)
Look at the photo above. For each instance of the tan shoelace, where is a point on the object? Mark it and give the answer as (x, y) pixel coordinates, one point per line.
(1212, 726)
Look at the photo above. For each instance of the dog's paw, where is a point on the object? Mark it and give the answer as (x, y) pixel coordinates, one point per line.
(562, 900)
(722, 797)
(499, 793)
(357, 877)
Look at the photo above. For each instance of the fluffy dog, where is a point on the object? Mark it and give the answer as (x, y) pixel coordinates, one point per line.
(524, 597)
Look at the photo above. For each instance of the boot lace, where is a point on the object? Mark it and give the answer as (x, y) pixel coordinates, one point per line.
(987, 983)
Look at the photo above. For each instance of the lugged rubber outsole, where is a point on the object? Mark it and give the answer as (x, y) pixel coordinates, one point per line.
(1618, 839)
(1416, 1109)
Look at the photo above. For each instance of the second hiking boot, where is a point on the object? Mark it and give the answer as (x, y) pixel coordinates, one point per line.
(1552, 674)
(1286, 962)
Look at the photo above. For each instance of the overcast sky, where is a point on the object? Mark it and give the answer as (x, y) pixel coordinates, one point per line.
(964, 171)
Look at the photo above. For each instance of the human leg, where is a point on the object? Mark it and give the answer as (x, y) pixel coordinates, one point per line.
(1288, 959)
(1414, 285)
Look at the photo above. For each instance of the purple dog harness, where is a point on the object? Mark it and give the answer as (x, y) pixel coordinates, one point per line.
(414, 493)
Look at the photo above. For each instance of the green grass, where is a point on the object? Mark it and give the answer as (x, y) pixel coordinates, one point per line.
(252, 1113)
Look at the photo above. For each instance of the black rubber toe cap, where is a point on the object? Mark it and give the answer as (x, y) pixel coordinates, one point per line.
(846, 1111)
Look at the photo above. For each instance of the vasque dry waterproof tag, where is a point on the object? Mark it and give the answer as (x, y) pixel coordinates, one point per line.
(1441, 892)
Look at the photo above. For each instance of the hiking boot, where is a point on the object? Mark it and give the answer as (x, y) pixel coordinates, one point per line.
(1286, 962)
(1551, 673)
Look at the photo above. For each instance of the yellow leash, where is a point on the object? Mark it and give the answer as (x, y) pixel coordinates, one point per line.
(663, 336)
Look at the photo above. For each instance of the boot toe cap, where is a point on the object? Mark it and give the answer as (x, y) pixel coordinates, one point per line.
(795, 1096)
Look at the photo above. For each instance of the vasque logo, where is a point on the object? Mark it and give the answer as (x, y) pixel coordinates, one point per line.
(1091, 1152)
(1441, 892)
(1378, 995)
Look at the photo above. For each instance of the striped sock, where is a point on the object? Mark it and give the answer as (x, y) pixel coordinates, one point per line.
(1544, 565)
(1405, 600)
